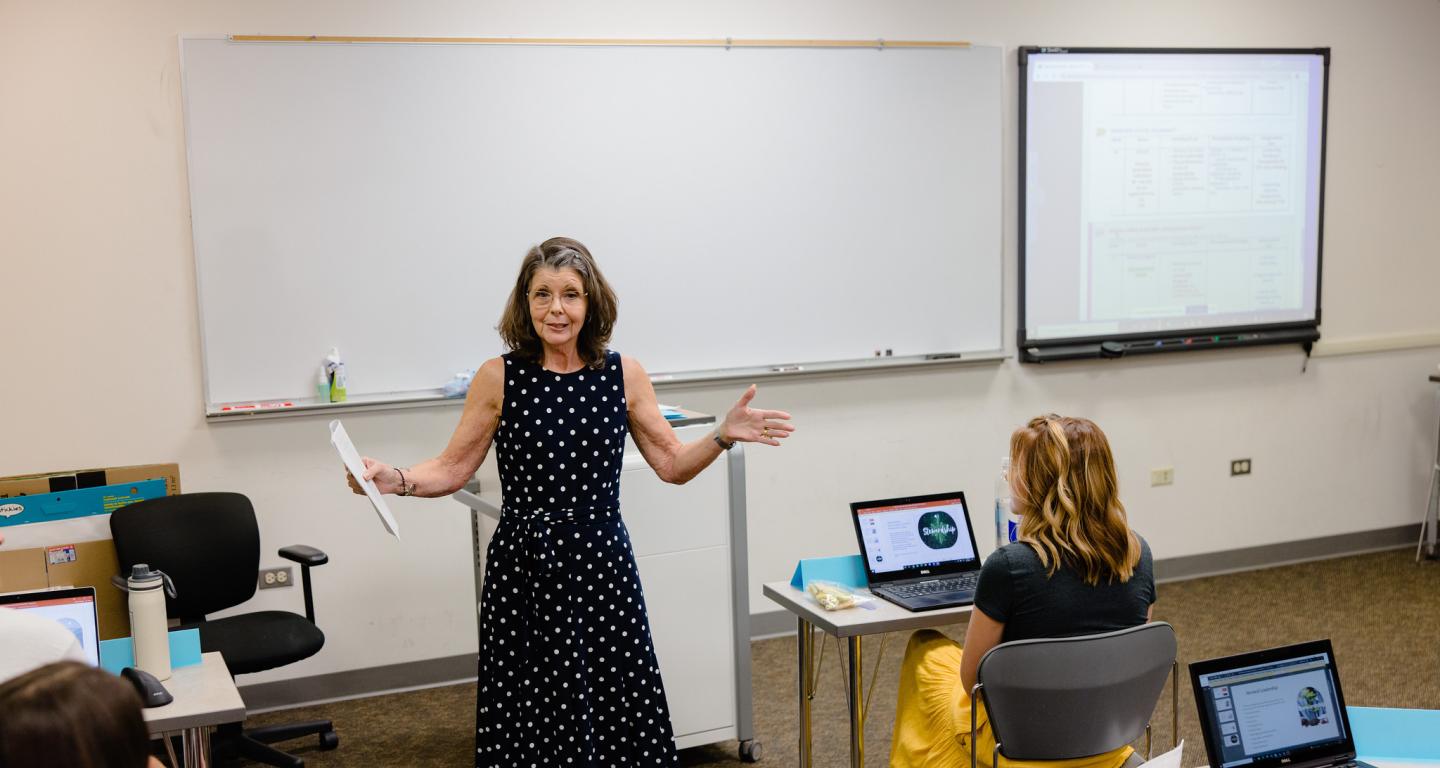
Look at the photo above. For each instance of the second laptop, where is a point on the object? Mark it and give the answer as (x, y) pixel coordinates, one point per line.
(919, 551)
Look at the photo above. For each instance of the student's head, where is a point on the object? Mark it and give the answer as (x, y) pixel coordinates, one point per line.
(1062, 477)
(71, 714)
(559, 297)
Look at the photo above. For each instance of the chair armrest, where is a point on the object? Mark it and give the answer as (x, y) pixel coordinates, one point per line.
(306, 556)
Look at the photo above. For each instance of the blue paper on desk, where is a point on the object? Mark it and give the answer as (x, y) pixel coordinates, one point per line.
(119, 653)
(847, 570)
(1396, 734)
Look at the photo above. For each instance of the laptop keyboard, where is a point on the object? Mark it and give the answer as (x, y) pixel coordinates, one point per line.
(964, 581)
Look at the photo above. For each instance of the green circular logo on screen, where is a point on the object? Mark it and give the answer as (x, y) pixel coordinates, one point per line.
(938, 530)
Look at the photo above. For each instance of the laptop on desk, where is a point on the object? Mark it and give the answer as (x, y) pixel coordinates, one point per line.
(72, 608)
(919, 551)
(1277, 708)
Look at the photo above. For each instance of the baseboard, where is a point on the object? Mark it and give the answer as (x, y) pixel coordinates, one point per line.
(1286, 553)
(431, 673)
(359, 683)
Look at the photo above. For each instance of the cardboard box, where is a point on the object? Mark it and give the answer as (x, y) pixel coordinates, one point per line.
(56, 482)
(73, 547)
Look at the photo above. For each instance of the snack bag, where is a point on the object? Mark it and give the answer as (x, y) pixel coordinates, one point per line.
(835, 597)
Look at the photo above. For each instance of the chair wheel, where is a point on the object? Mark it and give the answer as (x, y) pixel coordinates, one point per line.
(329, 740)
(750, 751)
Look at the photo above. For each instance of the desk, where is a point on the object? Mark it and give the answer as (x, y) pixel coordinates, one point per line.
(851, 624)
(205, 696)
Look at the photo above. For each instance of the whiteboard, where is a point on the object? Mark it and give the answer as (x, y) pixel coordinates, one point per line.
(751, 207)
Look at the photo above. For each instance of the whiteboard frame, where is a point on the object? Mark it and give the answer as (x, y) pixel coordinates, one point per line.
(216, 411)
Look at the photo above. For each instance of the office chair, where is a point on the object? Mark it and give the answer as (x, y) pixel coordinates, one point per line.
(1062, 698)
(209, 545)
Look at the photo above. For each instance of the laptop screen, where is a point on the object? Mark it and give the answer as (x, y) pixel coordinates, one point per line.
(73, 609)
(915, 536)
(1272, 707)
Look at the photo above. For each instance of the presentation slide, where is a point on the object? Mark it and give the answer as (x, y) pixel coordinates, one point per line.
(1281, 713)
(75, 614)
(916, 535)
(1170, 191)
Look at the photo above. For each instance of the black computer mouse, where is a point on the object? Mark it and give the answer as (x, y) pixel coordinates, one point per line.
(152, 693)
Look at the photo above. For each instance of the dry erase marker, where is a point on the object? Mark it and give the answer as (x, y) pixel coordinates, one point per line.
(255, 406)
(786, 368)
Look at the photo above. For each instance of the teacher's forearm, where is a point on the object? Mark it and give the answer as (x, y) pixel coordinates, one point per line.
(435, 477)
(691, 459)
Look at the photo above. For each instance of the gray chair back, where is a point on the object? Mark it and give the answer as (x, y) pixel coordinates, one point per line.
(1062, 698)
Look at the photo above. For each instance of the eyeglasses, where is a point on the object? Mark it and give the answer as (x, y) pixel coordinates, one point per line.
(541, 298)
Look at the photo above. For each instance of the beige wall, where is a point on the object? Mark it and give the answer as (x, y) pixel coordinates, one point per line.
(99, 336)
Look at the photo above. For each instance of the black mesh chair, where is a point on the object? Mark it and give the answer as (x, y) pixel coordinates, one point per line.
(209, 545)
(1070, 697)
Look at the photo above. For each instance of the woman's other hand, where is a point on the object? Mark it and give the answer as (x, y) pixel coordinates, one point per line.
(753, 425)
(385, 477)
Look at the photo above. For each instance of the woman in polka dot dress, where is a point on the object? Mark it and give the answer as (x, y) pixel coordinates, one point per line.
(567, 671)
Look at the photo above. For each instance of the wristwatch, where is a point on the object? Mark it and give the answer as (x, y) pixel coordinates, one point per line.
(720, 441)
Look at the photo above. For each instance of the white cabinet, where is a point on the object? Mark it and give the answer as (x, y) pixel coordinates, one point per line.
(689, 543)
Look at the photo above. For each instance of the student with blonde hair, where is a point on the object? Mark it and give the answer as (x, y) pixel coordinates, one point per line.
(1076, 569)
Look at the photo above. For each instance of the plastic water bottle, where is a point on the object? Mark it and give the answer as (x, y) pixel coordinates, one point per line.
(148, 624)
(1007, 527)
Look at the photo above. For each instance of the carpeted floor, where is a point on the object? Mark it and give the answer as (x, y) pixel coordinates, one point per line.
(1381, 611)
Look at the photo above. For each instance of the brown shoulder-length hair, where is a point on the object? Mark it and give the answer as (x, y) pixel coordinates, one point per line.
(71, 714)
(518, 330)
(1062, 477)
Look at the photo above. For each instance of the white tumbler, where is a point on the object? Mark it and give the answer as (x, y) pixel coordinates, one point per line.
(148, 623)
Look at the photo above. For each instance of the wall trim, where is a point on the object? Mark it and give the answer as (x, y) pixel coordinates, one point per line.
(359, 683)
(1359, 345)
(456, 670)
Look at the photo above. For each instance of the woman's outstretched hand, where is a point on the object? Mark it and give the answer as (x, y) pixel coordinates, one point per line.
(753, 425)
(386, 479)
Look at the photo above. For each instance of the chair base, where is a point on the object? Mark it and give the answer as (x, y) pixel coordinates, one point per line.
(254, 744)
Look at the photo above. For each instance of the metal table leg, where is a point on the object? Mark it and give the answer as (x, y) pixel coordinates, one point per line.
(1431, 521)
(805, 643)
(857, 706)
(197, 747)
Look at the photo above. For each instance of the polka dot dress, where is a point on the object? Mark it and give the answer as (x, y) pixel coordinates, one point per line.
(567, 671)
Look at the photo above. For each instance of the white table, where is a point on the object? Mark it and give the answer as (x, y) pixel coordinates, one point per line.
(205, 696)
(851, 624)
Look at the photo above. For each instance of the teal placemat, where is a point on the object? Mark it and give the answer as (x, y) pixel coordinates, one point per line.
(848, 570)
(119, 653)
(1399, 734)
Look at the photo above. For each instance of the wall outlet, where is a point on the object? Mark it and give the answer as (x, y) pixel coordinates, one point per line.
(1239, 467)
(274, 578)
(1162, 476)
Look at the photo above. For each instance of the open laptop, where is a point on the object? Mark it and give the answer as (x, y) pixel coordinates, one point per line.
(1281, 707)
(919, 551)
(72, 607)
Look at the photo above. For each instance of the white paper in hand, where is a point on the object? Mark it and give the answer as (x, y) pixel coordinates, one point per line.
(351, 457)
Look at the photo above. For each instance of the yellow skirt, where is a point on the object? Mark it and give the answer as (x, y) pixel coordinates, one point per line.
(932, 717)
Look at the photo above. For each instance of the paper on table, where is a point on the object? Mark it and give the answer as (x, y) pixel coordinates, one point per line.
(351, 457)
(1170, 759)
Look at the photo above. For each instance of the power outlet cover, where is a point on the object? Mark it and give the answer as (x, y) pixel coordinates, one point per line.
(275, 578)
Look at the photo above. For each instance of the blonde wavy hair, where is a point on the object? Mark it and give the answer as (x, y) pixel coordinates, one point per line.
(1062, 476)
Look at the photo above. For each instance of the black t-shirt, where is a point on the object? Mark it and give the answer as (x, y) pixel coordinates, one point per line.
(1014, 589)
